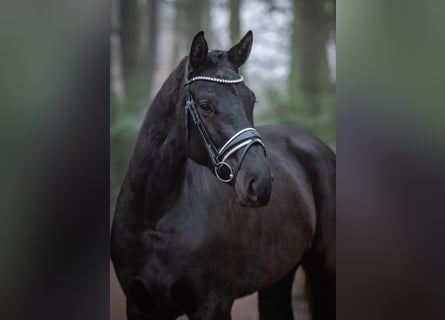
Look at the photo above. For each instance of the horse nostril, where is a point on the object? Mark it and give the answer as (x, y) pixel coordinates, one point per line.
(251, 193)
(258, 191)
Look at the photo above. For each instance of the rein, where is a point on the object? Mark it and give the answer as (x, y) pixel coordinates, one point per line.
(245, 138)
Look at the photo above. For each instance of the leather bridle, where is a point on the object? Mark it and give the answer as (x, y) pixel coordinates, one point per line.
(244, 138)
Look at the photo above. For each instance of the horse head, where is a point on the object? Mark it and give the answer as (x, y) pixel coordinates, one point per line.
(219, 120)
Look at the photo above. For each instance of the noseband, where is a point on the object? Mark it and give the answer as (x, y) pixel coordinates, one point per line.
(244, 138)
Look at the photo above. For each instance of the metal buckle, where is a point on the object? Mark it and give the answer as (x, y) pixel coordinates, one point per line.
(218, 168)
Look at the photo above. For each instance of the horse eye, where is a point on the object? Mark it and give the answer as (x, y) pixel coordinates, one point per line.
(205, 107)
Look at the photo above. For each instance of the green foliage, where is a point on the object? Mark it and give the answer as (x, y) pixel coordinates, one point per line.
(299, 111)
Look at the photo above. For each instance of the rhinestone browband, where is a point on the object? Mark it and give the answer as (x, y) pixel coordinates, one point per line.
(204, 78)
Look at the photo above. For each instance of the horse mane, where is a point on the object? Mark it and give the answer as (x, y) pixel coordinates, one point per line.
(161, 114)
(159, 120)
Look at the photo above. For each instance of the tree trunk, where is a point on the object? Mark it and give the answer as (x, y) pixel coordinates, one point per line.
(130, 19)
(314, 69)
(330, 16)
(205, 19)
(192, 22)
(294, 83)
(116, 68)
(235, 20)
(140, 37)
(192, 17)
(177, 37)
(149, 56)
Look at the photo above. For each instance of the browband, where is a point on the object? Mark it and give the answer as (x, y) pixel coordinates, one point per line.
(213, 79)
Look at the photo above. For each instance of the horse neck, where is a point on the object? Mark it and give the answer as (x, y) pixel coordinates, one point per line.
(157, 168)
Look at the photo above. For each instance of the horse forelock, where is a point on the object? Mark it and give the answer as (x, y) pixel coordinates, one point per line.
(217, 56)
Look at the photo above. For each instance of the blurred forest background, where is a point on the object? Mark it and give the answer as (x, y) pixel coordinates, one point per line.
(291, 68)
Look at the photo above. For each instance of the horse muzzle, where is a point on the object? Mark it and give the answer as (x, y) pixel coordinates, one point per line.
(253, 186)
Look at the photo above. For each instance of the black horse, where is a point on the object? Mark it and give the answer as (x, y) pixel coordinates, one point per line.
(211, 210)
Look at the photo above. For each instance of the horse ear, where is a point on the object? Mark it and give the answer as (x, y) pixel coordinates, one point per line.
(198, 51)
(239, 53)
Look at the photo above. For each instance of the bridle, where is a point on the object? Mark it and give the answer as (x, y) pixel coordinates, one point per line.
(245, 138)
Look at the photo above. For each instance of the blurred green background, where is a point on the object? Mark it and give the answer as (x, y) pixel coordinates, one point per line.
(292, 66)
